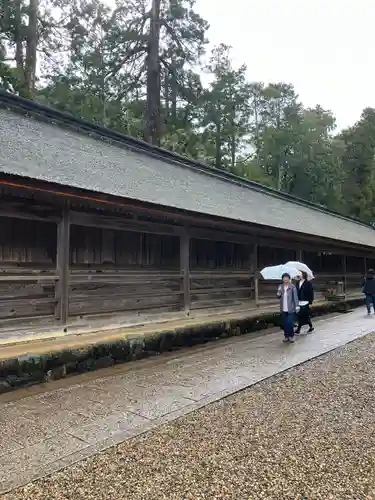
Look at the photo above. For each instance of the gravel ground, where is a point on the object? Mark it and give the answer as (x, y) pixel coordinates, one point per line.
(306, 434)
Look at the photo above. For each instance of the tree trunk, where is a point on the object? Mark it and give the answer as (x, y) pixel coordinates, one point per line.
(281, 160)
(32, 43)
(152, 130)
(18, 41)
(166, 96)
(233, 151)
(233, 138)
(218, 145)
(280, 175)
(257, 148)
(102, 82)
(173, 91)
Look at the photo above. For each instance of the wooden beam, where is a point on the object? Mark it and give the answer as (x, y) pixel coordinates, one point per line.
(122, 224)
(254, 269)
(12, 211)
(25, 278)
(256, 291)
(48, 191)
(217, 235)
(274, 240)
(271, 241)
(210, 227)
(62, 267)
(185, 271)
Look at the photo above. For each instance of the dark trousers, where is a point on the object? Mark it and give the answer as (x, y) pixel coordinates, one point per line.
(370, 299)
(304, 317)
(288, 324)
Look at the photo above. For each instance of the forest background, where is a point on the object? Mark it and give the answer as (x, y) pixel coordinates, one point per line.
(145, 68)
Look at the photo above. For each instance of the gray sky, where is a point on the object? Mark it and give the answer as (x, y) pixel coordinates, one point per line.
(325, 49)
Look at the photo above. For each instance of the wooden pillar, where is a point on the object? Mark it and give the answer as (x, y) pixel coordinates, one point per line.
(344, 271)
(62, 267)
(185, 270)
(299, 255)
(254, 268)
(365, 265)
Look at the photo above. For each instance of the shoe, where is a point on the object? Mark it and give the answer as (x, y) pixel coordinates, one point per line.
(310, 330)
(297, 332)
(291, 340)
(286, 339)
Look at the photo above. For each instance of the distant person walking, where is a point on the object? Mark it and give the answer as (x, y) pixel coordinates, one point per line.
(306, 298)
(368, 288)
(289, 306)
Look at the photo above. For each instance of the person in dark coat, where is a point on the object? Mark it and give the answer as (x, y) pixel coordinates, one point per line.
(368, 288)
(305, 294)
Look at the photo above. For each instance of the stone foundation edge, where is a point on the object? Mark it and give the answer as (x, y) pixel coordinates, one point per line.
(32, 369)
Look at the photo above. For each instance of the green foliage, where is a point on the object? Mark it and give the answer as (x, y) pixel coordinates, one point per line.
(226, 109)
(358, 160)
(99, 63)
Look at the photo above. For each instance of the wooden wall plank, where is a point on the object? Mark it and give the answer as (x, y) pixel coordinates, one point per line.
(27, 243)
(63, 266)
(27, 268)
(254, 269)
(185, 270)
(220, 274)
(123, 290)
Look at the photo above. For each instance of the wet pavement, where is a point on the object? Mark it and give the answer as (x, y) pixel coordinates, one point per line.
(50, 430)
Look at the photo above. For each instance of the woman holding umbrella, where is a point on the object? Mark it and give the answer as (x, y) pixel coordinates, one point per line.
(287, 293)
(289, 305)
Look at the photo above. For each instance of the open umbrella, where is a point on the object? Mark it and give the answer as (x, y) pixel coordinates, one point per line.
(275, 272)
(301, 267)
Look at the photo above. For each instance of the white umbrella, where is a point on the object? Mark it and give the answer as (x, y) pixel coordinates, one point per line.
(301, 267)
(275, 272)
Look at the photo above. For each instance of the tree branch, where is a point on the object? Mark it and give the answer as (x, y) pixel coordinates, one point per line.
(135, 51)
(189, 96)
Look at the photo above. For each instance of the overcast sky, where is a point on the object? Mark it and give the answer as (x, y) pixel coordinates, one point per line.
(324, 48)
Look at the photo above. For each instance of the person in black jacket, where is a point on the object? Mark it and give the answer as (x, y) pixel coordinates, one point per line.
(305, 294)
(368, 287)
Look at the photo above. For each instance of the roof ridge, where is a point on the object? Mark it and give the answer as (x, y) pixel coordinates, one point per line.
(19, 103)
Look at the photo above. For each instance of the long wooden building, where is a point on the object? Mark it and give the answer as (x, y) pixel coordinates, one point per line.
(93, 223)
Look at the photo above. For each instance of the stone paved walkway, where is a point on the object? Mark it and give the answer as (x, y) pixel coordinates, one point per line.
(48, 431)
